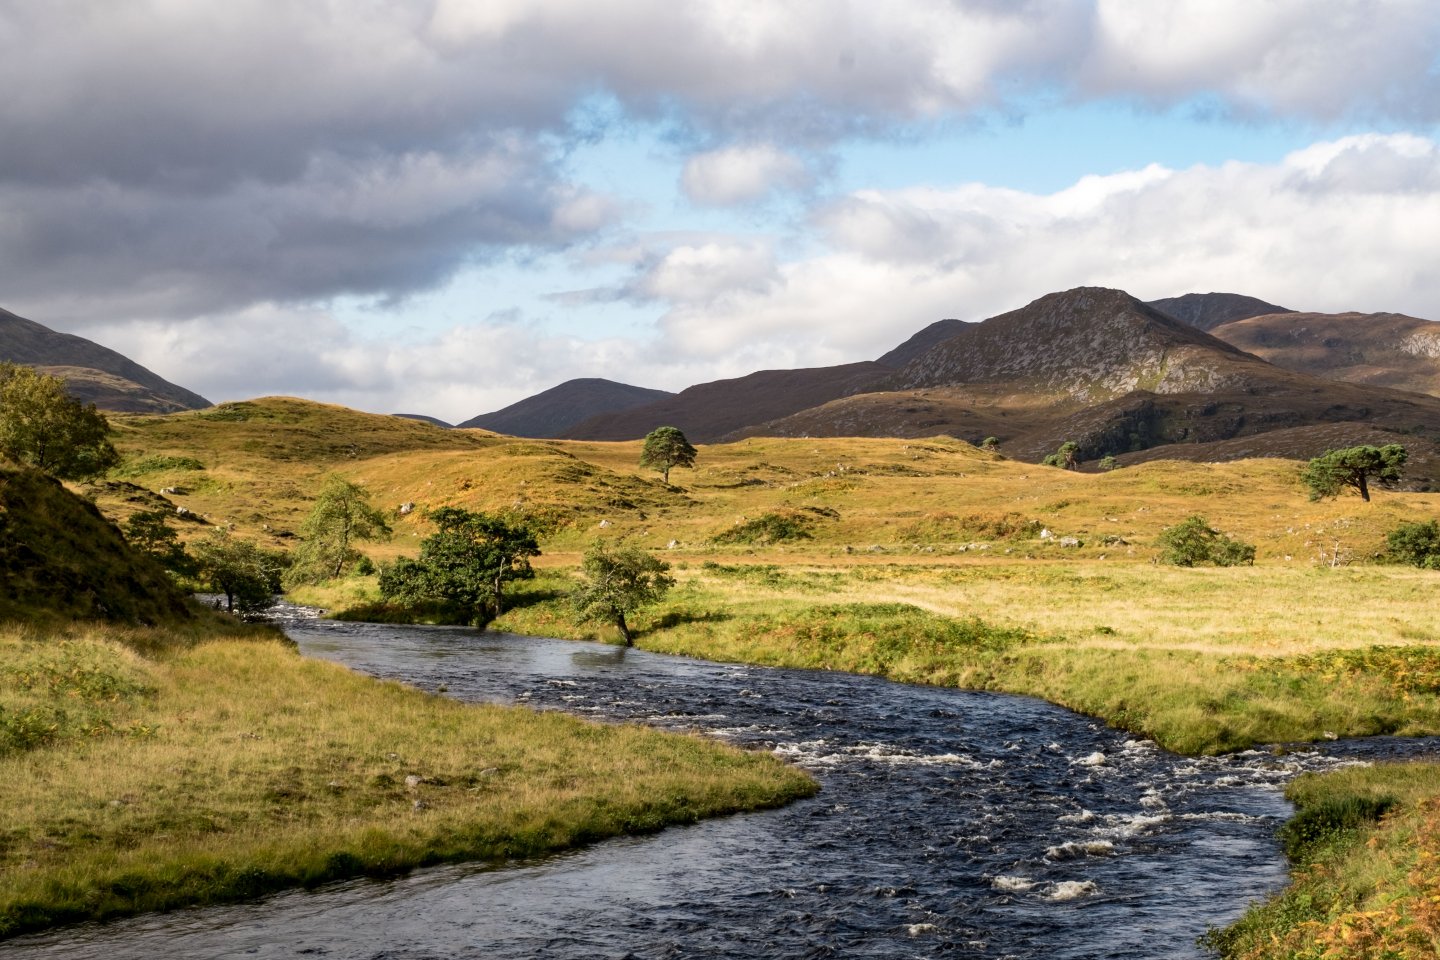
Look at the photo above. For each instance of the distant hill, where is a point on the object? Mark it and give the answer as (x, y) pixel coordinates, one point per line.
(1113, 374)
(707, 411)
(1090, 344)
(433, 421)
(1383, 349)
(1209, 310)
(553, 412)
(93, 374)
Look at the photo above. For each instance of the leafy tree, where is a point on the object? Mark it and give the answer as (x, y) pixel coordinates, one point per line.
(990, 443)
(1353, 467)
(248, 575)
(1193, 541)
(43, 426)
(1108, 463)
(341, 515)
(466, 564)
(1417, 544)
(666, 447)
(617, 583)
(1064, 457)
(148, 532)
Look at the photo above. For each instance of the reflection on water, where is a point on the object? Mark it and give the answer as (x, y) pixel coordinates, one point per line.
(949, 823)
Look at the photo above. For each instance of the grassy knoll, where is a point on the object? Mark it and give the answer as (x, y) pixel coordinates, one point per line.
(1366, 885)
(222, 769)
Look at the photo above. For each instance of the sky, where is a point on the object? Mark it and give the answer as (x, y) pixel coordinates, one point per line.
(445, 206)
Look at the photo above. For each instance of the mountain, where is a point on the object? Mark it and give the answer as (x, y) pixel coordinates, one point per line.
(1099, 367)
(937, 332)
(707, 411)
(553, 412)
(1090, 344)
(1383, 349)
(93, 374)
(1209, 310)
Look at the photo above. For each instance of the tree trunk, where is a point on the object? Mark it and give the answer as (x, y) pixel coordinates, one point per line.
(666, 474)
(1364, 488)
(623, 627)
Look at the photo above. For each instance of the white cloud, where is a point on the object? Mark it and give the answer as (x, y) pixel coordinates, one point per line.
(1310, 232)
(744, 174)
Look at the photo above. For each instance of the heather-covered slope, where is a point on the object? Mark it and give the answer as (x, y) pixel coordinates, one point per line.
(1209, 310)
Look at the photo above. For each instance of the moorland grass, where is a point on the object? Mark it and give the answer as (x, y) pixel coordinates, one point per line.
(218, 768)
(1365, 843)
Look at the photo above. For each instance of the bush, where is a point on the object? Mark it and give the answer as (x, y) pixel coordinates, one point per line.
(1108, 463)
(1417, 544)
(1323, 823)
(767, 528)
(1193, 541)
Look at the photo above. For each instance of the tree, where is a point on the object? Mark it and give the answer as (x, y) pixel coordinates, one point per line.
(1064, 457)
(1108, 463)
(1417, 544)
(247, 575)
(466, 563)
(341, 515)
(1193, 541)
(617, 583)
(666, 447)
(990, 443)
(148, 532)
(40, 424)
(1353, 467)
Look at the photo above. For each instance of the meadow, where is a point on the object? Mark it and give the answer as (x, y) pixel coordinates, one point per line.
(930, 562)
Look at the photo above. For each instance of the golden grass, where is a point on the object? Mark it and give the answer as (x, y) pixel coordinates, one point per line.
(231, 767)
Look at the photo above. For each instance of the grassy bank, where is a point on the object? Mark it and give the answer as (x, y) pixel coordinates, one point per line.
(211, 768)
(1366, 883)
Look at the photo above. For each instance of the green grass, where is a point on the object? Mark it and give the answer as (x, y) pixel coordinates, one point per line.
(217, 769)
(1365, 842)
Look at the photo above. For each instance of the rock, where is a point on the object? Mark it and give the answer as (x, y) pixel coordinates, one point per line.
(1070, 542)
(604, 524)
(412, 782)
(406, 508)
(420, 805)
(672, 544)
(168, 491)
(1045, 534)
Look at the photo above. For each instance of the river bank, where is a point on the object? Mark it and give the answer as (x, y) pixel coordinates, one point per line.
(211, 768)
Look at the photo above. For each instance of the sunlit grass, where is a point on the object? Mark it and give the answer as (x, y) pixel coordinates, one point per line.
(226, 768)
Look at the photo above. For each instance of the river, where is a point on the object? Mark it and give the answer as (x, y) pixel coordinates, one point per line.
(949, 823)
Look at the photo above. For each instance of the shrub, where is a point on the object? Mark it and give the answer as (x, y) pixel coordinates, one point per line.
(1108, 463)
(1321, 824)
(1193, 541)
(767, 528)
(1417, 544)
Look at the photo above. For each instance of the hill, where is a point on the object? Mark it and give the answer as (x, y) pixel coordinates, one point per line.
(708, 411)
(60, 557)
(93, 374)
(433, 421)
(1114, 375)
(554, 411)
(1382, 349)
(1209, 310)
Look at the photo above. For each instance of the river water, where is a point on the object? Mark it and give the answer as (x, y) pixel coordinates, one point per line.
(949, 823)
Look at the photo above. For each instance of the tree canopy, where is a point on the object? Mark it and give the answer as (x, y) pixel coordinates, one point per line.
(1064, 457)
(1193, 541)
(1354, 467)
(248, 575)
(43, 426)
(1416, 543)
(617, 583)
(465, 564)
(342, 514)
(666, 447)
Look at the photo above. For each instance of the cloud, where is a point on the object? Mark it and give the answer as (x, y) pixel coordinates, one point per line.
(1312, 232)
(738, 175)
